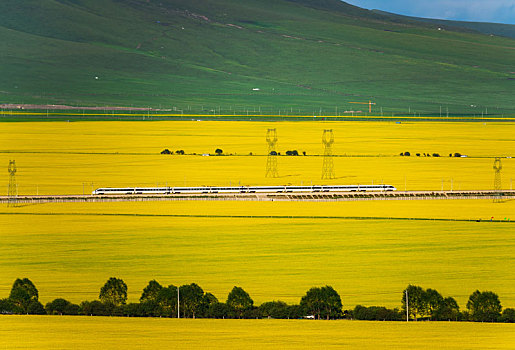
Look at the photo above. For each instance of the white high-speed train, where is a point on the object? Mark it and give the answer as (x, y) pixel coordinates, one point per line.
(244, 189)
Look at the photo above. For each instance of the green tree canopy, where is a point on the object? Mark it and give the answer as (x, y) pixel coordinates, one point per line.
(417, 301)
(23, 293)
(114, 291)
(191, 299)
(61, 307)
(274, 309)
(151, 291)
(167, 301)
(57, 306)
(312, 302)
(508, 315)
(322, 302)
(433, 300)
(484, 306)
(239, 300)
(447, 311)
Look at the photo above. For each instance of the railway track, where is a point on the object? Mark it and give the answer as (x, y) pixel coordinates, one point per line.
(313, 197)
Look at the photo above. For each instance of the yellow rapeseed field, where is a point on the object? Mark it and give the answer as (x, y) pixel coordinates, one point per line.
(44, 332)
(274, 250)
(369, 251)
(76, 157)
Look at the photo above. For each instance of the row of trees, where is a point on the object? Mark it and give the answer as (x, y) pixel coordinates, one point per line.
(430, 304)
(408, 154)
(190, 301)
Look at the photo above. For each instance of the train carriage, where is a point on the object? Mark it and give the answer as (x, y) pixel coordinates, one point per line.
(240, 189)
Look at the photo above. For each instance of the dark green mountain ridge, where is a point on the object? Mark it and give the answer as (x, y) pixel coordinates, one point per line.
(304, 56)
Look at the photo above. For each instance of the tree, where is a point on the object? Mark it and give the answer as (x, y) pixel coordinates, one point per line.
(191, 298)
(35, 308)
(151, 291)
(134, 310)
(218, 310)
(484, 306)
(114, 292)
(434, 301)
(312, 302)
(94, 308)
(376, 313)
(447, 311)
(322, 302)
(207, 300)
(332, 307)
(219, 152)
(61, 307)
(7, 306)
(166, 302)
(274, 309)
(23, 292)
(508, 315)
(239, 300)
(417, 302)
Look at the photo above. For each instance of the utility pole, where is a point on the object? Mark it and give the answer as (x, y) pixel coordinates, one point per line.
(178, 305)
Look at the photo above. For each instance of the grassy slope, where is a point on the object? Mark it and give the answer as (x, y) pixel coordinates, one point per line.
(507, 30)
(300, 54)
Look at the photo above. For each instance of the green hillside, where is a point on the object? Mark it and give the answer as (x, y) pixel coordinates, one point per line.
(507, 30)
(304, 56)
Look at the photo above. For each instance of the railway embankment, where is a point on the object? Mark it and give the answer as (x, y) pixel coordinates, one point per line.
(312, 197)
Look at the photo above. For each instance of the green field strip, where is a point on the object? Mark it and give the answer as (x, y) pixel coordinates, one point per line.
(236, 116)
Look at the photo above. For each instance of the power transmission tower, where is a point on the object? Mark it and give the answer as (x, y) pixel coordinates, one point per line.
(497, 180)
(12, 189)
(271, 160)
(328, 166)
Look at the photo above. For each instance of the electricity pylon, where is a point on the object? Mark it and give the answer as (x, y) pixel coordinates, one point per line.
(497, 180)
(328, 166)
(271, 160)
(12, 189)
